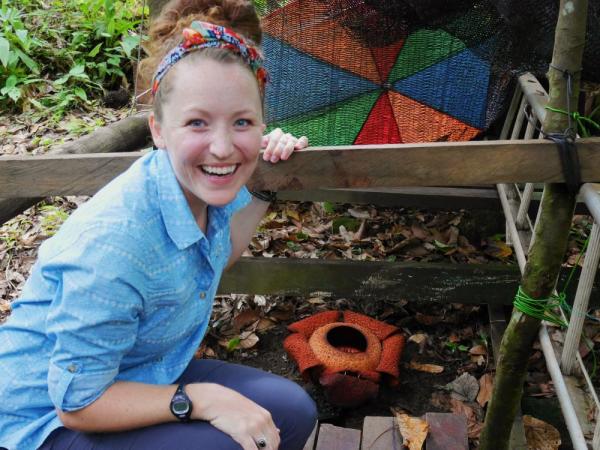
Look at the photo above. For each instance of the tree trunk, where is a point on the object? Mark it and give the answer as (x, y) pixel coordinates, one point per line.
(550, 242)
(129, 134)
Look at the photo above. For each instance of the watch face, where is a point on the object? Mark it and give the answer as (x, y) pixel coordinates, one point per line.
(181, 407)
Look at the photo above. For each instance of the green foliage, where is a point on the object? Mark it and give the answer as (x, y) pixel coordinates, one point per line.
(52, 218)
(58, 54)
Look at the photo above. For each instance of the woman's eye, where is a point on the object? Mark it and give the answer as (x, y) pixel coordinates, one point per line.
(197, 123)
(242, 123)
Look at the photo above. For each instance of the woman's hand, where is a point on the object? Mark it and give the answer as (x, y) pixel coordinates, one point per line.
(279, 145)
(232, 413)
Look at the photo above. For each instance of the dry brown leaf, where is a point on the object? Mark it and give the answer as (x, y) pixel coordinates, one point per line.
(248, 340)
(293, 214)
(465, 387)
(282, 313)
(540, 435)
(478, 350)
(478, 359)
(427, 320)
(359, 214)
(430, 368)
(485, 389)
(418, 338)
(245, 318)
(418, 232)
(474, 426)
(264, 325)
(413, 430)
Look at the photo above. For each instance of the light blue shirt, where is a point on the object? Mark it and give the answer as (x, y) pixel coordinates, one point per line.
(122, 292)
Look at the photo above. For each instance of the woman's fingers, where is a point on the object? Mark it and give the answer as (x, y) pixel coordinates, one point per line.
(301, 143)
(273, 140)
(279, 145)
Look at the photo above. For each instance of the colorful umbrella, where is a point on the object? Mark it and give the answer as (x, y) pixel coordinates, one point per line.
(333, 86)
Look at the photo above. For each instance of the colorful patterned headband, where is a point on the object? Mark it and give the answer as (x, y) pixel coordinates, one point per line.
(207, 35)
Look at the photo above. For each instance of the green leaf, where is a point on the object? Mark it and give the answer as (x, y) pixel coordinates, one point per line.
(350, 223)
(80, 93)
(328, 207)
(63, 79)
(11, 82)
(30, 63)
(95, 50)
(233, 344)
(77, 70)
(4, 51)
(130, 43)
(10, 88)
(22, 35)
(442, 246)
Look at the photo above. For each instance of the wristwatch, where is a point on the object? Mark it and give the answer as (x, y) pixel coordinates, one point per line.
(181, 405)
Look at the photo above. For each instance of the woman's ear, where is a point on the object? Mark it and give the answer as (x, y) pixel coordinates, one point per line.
(155, 130)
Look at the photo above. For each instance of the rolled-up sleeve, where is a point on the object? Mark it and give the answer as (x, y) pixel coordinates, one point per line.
(93, 318)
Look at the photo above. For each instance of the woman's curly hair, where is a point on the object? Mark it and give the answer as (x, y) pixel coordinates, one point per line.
(166, 31)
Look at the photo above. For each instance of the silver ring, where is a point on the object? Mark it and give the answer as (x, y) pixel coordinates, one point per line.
(261, 442)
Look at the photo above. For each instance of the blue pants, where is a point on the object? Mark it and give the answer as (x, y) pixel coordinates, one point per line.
(293, 412)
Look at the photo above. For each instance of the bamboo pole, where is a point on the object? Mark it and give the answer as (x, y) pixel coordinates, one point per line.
(550, 238)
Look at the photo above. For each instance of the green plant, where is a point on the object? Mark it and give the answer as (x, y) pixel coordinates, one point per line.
(52, 218)
(454, 346)
(60, 54)
(18, 68)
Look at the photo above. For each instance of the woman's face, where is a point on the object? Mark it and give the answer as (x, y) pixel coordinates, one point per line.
(211, 127)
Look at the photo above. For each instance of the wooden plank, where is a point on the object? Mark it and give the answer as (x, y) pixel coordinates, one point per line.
(310, 443)
(365, 166)
(379, 433)
(338, 438)
(446, 432)
(415, 197)
(493, 284)
(373, 280)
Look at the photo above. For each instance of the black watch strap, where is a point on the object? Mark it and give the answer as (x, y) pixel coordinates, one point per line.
(181, 405)
(265, 196)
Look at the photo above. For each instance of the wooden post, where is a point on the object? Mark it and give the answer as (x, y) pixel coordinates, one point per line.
(550, 240)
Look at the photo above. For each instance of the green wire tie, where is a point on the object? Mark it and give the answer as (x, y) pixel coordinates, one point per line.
(541, 308)
(579, 120)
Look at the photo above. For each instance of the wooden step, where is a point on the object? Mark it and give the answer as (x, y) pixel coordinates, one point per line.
(446, 432)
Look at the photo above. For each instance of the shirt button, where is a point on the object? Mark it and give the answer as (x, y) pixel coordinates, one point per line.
(203, 295)
(72, 368)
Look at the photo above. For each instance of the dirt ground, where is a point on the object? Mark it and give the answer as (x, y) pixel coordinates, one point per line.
(419, 392)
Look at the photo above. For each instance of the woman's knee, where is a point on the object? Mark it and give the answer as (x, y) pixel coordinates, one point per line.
(291, 404)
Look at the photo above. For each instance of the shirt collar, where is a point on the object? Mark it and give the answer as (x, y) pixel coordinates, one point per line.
(177, 216)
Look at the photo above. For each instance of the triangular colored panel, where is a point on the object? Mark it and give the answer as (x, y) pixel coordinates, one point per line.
(307, 25)
(385, 58)
(380, 127)
(457, 86)
(419, 123)
(332, 126)
(422, 49)
(320, 84)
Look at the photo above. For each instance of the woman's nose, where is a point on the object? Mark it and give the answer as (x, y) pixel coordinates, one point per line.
(221, 145)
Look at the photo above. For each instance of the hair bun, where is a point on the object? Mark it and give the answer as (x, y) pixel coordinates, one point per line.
(239, 15)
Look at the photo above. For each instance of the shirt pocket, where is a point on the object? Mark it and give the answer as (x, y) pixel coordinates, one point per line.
(171, 316)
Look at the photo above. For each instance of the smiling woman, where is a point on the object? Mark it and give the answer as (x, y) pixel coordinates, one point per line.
(98, 352)
(211, 128)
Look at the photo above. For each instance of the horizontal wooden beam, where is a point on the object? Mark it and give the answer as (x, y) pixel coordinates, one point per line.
(450, 199)
(448, 283)
(366, 166)
(493, 284)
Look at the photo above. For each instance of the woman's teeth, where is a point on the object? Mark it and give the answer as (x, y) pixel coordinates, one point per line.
(222, 171)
